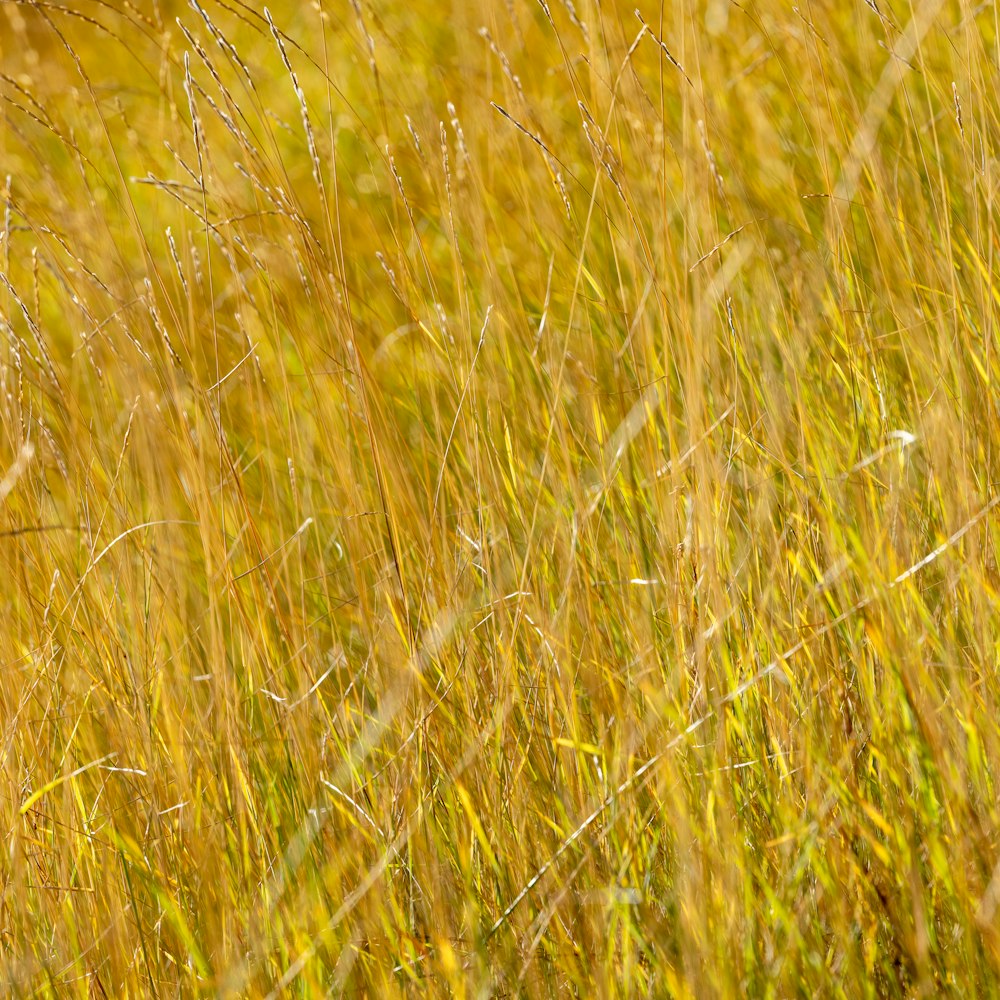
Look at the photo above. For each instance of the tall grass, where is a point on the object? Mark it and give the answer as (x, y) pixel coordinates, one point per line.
(498, 498)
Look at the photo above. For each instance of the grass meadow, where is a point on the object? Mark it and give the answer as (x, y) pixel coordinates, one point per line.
(498, 498)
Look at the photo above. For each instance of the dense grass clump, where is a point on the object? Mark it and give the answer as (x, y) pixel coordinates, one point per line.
(498, 498)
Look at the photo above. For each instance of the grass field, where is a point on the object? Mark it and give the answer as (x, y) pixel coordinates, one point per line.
(498, 498)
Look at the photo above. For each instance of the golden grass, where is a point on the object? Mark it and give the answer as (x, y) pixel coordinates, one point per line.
(498, 498)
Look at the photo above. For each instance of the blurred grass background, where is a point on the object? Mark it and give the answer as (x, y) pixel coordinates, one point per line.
(499, 498)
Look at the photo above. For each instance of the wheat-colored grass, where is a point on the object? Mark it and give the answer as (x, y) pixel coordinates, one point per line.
(498, 498)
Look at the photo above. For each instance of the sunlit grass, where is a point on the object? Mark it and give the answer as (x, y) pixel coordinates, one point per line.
(499, 499)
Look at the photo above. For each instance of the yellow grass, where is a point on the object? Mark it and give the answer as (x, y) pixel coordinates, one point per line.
(498, 498)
